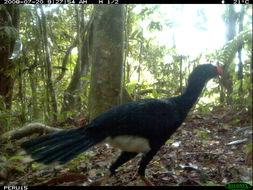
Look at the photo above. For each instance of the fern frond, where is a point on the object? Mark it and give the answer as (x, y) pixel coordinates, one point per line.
(228, 51)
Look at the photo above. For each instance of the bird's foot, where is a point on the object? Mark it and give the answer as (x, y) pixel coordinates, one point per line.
(146, 181)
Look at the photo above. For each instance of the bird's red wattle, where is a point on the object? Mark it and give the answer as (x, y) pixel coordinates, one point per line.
(220, 71)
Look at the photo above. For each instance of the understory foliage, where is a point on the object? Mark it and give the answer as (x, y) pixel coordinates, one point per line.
(151, 70)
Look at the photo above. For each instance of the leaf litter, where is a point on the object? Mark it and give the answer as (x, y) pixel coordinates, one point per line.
(208, 149)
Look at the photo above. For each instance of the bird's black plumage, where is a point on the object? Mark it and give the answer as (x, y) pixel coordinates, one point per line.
(153, 120)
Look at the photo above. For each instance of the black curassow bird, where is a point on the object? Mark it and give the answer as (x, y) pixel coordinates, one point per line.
(137, 127)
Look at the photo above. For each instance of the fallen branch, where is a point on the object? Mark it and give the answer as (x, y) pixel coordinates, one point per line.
(27, 131)
(237, 142)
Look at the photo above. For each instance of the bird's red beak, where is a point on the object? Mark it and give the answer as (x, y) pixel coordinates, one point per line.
(219, 69)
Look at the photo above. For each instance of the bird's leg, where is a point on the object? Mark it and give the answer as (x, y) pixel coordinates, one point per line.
(146, 181)
(124, 157)
(143, 164)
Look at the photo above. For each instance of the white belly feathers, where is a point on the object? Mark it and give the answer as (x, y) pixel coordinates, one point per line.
(129, 143)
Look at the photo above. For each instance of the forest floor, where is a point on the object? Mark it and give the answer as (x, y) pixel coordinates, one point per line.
(208, 149)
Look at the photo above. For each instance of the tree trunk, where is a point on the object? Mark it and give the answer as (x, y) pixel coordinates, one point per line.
(107, 58)
(41, 60)
(71, 100)
(251, 84)
(139, 71)
(49, 72)
(126, 97)
(231, 32)
(34, 101)
(181, 74)
(9, 23)
(21, 95)
(65, 61)
(240, 69)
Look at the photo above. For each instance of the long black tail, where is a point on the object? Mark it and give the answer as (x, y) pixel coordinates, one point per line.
(60, 146)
